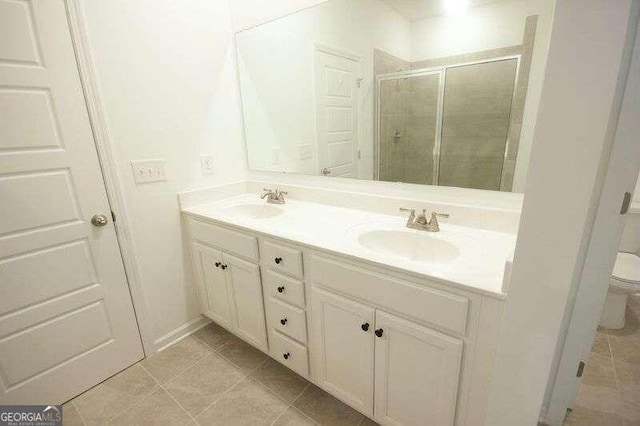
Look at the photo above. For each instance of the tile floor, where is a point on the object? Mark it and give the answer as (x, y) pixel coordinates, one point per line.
(610, 391)
(214, 378)
(209, 378)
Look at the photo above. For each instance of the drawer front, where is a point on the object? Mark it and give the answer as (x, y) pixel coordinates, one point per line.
(287, 319)
(284, 288)
(281, 258)
(230, 241)
(289, 352)
(445, 310)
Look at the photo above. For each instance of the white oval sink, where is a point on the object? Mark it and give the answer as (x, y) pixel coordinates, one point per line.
(410, 245)
(252, 211)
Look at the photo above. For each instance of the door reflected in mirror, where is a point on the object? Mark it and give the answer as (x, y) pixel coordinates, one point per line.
(394, 90)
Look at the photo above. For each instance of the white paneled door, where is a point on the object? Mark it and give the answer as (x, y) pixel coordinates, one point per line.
(337, 81)
(66, 316)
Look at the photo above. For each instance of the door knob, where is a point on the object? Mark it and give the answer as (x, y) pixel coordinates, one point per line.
(283, 321)
(325, 171)
(365, 326)
(99, 220)
(379, 332)
(281, 289)
(278, 260)
(286, 355)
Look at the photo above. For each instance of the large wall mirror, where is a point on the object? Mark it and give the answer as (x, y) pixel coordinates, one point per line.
(434, 92)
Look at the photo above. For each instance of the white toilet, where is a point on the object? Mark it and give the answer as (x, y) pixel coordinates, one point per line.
(625, 280)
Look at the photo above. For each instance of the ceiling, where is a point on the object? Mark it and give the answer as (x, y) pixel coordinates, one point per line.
(420, 9)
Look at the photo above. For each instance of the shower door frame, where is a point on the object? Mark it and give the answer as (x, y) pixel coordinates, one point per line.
(442, 71)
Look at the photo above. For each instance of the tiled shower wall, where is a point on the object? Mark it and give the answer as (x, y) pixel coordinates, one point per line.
(393, 117)
(482, 112)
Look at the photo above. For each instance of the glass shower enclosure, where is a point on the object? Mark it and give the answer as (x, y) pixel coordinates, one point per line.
(447, 125)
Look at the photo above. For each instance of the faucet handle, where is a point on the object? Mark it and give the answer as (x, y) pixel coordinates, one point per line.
(445, 215)
(402, 209)
(267, 190)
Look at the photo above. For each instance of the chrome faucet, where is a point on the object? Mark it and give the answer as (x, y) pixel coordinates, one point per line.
(273, 196)
(421, 223)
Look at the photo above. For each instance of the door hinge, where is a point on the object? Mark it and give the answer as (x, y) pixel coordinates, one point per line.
(626, 201)
(359, 155)
(580, 369)
(113, 216)
(359, 81)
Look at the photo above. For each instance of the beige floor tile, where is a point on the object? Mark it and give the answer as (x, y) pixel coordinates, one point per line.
(156, 409)
(625, 348)
(248, 403)
(165, 365)
(70, 416)
(630, 393)
(601, 344)
(599, 371)
(368, 422)
(630, 413)
(202, 384)
(280, 380)
(627, 373)
(242, 354)
(581, 416)
(325, 409)
(110, 398)
(598, 398)
(293, 417)
(213, 335)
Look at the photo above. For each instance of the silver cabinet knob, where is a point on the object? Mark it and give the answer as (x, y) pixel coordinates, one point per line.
(99, 220)
(326, 171)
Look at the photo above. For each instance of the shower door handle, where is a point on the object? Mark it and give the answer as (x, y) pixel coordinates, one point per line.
(325, 171)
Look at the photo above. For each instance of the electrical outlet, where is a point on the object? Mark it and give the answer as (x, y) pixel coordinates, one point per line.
(275, 157)
(147, 171)
(206, 164)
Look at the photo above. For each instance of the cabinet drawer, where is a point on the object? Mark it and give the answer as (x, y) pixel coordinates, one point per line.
(287, 319)
(445, 310)
(230, 241)
(285, 288)
(289, 352)
(281, 258)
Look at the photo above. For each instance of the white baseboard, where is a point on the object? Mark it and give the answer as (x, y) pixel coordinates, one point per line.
(181, 332)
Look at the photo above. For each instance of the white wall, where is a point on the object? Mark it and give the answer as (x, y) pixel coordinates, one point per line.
(277, 77)
(559, 208)
(167, 80)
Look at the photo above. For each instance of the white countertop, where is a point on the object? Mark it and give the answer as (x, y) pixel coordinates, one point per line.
(479, 266)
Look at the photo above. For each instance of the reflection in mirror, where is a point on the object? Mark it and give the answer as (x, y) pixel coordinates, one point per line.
(428, 92)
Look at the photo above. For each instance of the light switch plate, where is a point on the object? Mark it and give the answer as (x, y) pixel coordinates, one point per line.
(147, 171)
(206, 164)
(305, 151)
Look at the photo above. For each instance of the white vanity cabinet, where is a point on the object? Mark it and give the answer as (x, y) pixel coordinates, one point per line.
(230, 290)
(416, 373)
(343, 347)
(392, 369)
(400, 348)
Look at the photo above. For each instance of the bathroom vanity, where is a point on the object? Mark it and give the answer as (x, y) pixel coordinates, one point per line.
(400, 324)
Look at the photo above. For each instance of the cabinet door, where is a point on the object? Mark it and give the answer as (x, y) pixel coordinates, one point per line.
(214, 293)
(246, 298)
(417, 372)
(342, 332)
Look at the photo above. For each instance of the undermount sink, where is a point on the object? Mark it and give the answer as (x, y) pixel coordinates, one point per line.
(408, 244)
(252, 211)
